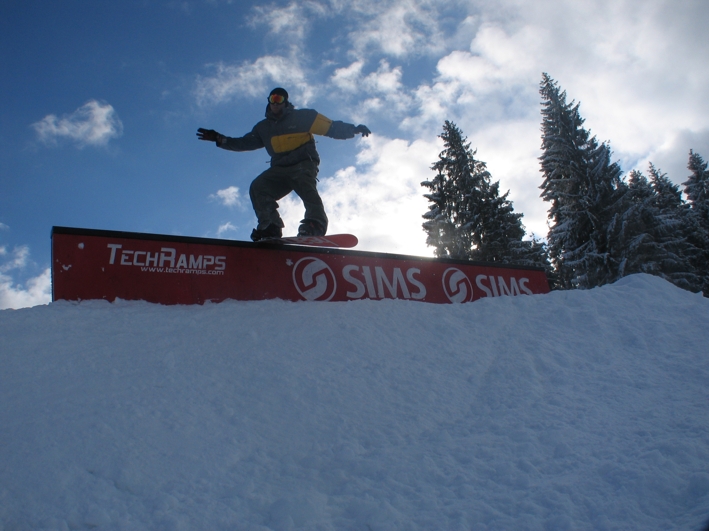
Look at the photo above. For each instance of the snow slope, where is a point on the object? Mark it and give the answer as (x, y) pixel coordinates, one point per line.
(573, 410)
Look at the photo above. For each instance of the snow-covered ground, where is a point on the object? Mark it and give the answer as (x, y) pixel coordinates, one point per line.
(580, 410)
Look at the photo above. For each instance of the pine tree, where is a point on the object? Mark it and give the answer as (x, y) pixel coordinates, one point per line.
(697, 190)
(697, 186)
(562, 132)
(652, 237)
(502, 232)
(672, 232)
(467, 217)
(457, 192)
(634, 231)
(584, 189)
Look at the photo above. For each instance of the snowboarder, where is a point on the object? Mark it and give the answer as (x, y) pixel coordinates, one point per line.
(287, 134)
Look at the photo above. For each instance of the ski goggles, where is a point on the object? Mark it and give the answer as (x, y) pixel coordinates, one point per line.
(276, 98)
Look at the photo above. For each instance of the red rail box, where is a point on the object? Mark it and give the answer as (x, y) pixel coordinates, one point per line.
(98, 264)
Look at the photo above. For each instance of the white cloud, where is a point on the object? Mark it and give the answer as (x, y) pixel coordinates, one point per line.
(637, 69)
(397, 28)
(226, 227)
(93, 124)
(37, 290)
(20, 255)
(289, 18)
(254, 79)
(290, 23)
(385, 89)
(386, 80)
(496, 80)
(348, 78)
(230, 197)
(381, 90)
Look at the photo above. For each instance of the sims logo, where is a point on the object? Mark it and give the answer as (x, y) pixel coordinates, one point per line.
(457, 286)
(314, 279)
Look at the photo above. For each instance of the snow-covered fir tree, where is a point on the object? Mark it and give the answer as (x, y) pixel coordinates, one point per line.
(501, 234)
(673, 230)
(696, 189)
(583, 187)
(467, 216)
(454, 192)
(633, 235)
(652, 234)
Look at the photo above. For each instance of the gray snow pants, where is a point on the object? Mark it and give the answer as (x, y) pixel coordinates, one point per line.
(277, 182)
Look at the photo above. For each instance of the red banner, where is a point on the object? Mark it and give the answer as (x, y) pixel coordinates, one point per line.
(94, 264)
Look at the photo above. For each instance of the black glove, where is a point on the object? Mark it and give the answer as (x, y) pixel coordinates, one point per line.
(207, 134)
(362, 129)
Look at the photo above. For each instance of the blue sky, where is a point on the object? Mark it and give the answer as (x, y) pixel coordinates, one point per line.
(101, 101)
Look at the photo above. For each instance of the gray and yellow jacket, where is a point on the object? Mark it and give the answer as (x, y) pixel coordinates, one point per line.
(288, 138)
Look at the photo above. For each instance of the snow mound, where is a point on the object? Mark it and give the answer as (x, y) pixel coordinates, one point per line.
(573, 410)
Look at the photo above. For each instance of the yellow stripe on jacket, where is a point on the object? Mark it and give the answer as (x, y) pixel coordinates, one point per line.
(321, 125)
(284, 143)
(289, 142)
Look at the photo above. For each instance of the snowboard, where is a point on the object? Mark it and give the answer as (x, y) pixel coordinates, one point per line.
(330, 240)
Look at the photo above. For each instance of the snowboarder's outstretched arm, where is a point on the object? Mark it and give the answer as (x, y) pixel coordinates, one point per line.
(342, 130)
(247, 142)
(319, 124)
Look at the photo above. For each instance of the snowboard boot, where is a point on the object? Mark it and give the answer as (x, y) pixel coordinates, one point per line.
(310, 227)
(272, 231)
